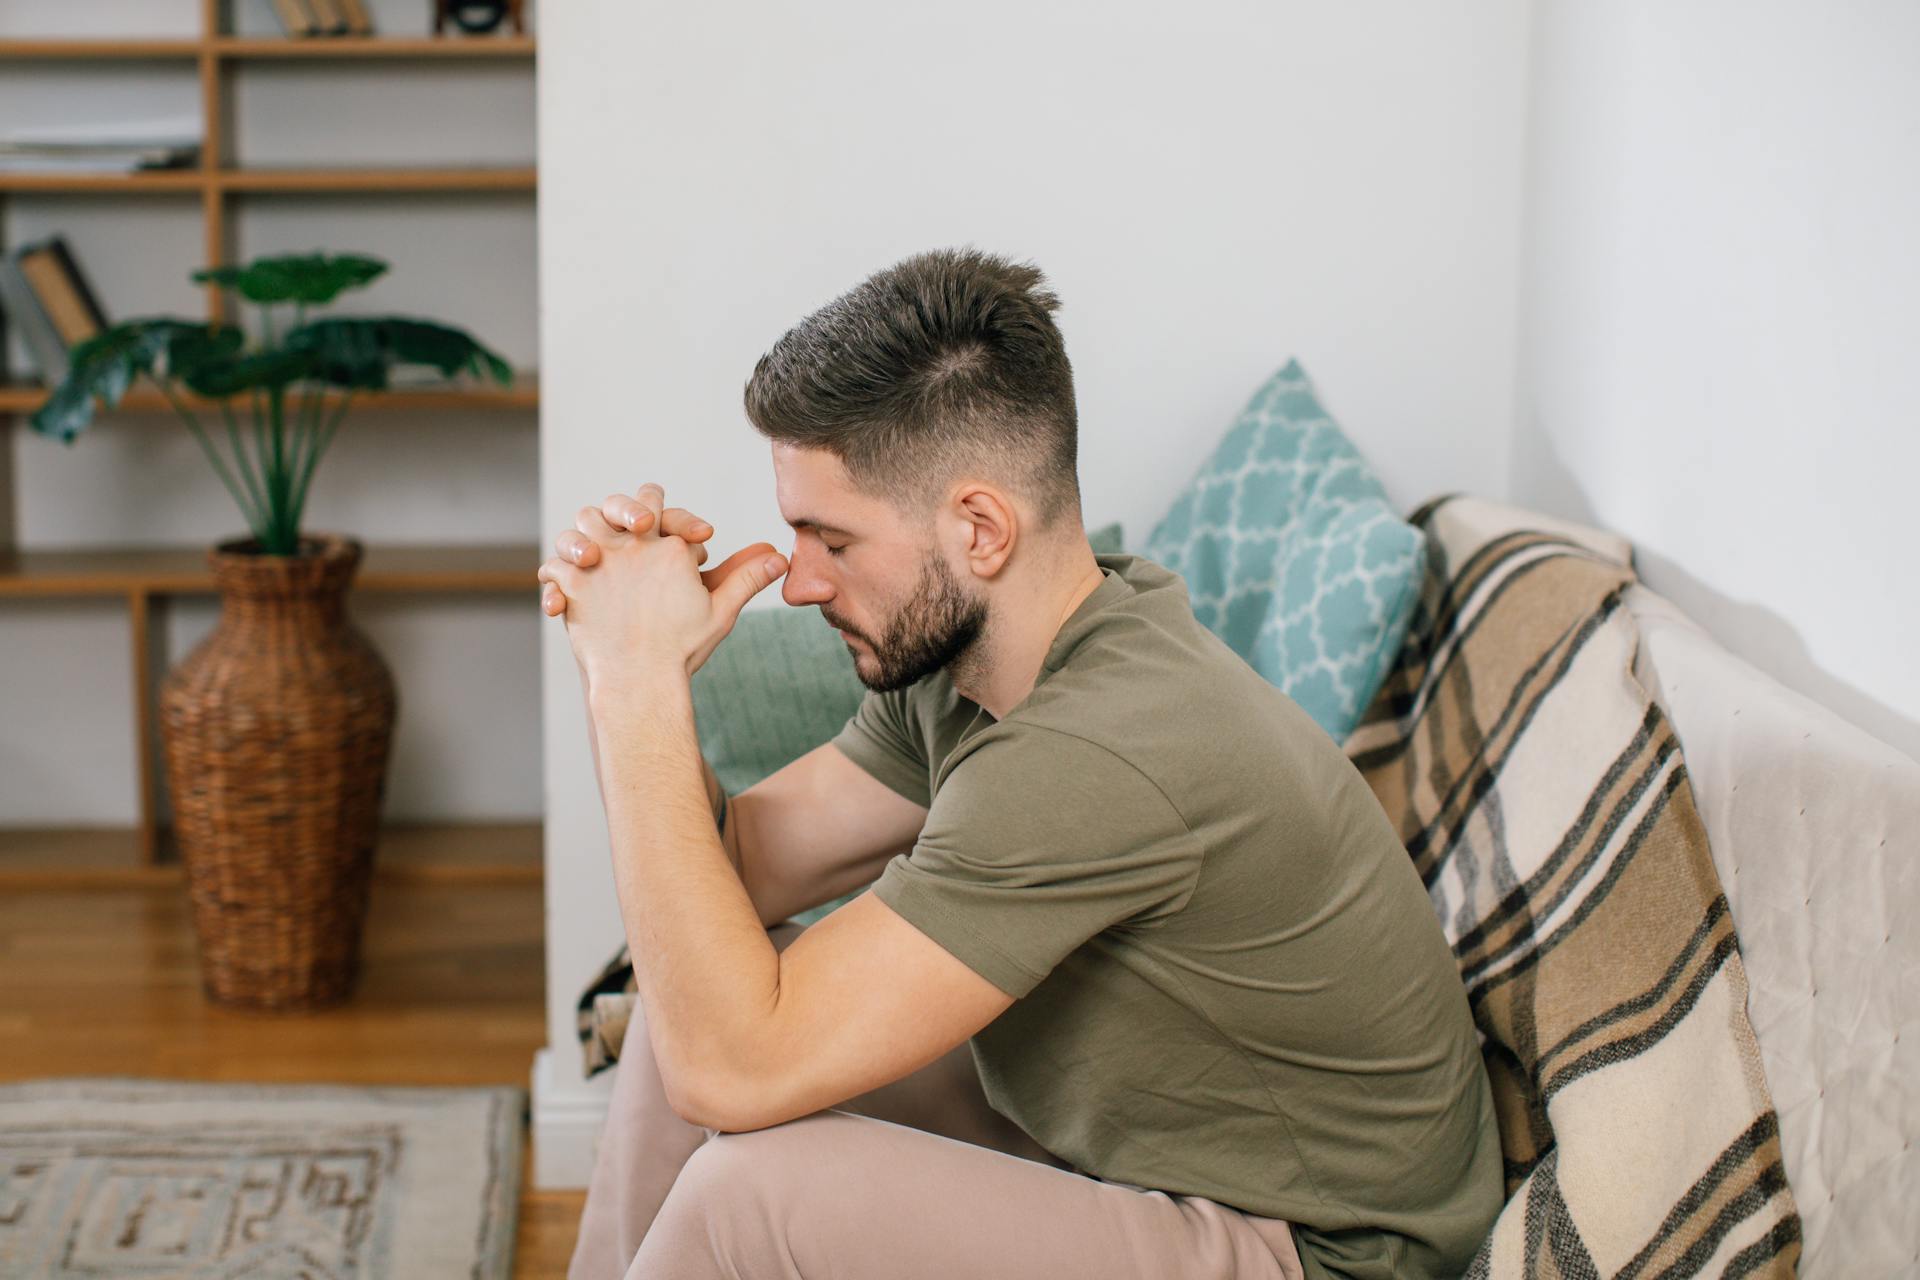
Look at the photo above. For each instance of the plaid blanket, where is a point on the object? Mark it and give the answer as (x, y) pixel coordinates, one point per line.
(1542, 794)
(604, 1009)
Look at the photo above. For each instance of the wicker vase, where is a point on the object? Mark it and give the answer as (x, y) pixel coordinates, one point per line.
(277, 728)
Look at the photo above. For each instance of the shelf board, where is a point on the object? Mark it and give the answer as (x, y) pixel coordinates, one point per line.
(248, 47)
(182, 570)
(374, 47)
(156, 182)
(81, 49)
(24, 398)
(378, 181)
(468, 854)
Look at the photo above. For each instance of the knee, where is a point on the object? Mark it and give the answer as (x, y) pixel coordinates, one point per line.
(761, 1171)
(723, 1215)
(729, 1167)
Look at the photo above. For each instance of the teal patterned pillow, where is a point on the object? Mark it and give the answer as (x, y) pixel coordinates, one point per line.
(1293, 555)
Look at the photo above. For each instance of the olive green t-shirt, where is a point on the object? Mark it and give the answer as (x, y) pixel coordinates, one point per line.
(1228, 979)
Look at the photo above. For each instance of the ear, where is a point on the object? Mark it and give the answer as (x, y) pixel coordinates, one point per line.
(992, 527)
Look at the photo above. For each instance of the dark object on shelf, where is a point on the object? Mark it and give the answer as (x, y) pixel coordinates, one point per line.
(331, 17)
(107, 156)
(358, 23)
(297, 18)
(476, 17)
(277, 729)
(43, 292)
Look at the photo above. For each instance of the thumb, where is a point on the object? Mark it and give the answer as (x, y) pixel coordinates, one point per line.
(745, 575)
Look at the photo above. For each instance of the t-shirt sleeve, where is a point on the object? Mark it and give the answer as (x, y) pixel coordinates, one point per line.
(880, 737)
(1037, 842)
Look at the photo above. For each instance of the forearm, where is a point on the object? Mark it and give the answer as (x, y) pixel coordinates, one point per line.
(722, 805)
(717, 798)
(704, 966)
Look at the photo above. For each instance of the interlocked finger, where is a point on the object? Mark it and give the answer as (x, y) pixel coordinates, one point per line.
(578, 547)
(557, 573)
(590, 522)
(652, 498)
(623, 512)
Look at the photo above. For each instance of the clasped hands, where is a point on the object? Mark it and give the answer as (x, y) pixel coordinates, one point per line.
(627, 580)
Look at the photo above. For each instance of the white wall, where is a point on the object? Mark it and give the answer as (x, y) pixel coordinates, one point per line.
(1211, 187)
(467, 744)
(1721, 320)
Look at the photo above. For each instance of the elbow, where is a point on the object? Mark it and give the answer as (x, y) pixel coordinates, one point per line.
(688, 1107)
(707, 1099)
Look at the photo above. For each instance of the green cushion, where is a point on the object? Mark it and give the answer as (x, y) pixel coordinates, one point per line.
(778, 686)
(1293, 555)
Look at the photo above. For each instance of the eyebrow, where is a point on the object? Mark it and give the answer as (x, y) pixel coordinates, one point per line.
(805, 523)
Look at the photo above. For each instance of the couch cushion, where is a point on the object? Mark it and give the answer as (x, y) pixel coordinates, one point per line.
(1541, 792)
(1293, 555)
(777, 687)
(1815, 831)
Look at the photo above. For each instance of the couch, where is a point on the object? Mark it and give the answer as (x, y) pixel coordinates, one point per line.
(1735, 1088)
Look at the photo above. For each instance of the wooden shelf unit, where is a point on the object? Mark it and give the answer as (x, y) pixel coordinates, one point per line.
(483, 853)
(215, 180)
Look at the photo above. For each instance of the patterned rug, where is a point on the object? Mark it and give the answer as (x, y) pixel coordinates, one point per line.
(164, 1180)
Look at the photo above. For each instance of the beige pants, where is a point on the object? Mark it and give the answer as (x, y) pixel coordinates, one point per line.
(916, 1180)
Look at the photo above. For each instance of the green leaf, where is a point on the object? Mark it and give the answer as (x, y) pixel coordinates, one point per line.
(362, 351)
(295, 277)
(268, 369)
(105, 365)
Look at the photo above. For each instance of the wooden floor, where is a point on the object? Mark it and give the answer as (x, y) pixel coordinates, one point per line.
(106, 982)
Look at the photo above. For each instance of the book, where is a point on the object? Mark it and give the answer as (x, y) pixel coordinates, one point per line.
(328, 16)
(296, 19)
(22, 311)
(358, 21)
(61, 293)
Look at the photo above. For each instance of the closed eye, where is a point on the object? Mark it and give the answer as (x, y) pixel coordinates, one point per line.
(833, 550)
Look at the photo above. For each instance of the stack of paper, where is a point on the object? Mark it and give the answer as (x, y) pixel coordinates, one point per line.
(106, 148)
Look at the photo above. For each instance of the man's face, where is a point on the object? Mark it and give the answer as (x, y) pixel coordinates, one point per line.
(879, 580)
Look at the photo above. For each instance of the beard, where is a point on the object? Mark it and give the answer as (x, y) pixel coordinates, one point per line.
(937, 626)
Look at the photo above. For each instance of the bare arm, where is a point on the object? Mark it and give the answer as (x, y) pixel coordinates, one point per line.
(815, 829)
(818, 828)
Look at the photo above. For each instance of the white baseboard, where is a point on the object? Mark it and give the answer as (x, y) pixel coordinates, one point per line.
(567, 1119)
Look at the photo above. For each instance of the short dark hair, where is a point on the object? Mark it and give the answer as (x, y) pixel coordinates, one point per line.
(945, 363)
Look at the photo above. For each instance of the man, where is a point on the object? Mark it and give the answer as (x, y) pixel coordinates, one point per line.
(1141, 938)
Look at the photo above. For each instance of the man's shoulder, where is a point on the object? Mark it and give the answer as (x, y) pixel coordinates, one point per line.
(1144, 650)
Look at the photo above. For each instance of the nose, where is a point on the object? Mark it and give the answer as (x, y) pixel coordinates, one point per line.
(806, 581)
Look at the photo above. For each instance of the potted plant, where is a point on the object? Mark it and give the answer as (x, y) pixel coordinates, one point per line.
(277, 726)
